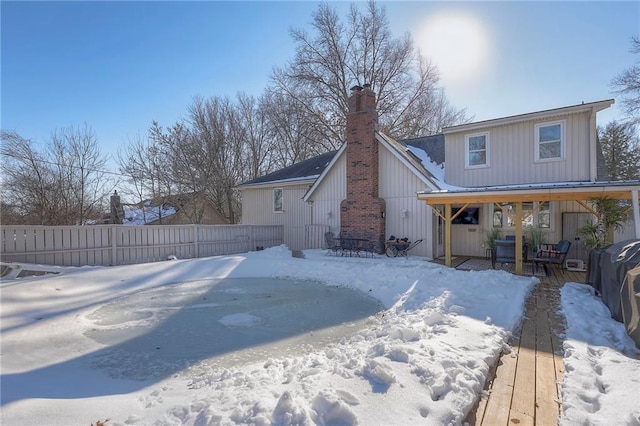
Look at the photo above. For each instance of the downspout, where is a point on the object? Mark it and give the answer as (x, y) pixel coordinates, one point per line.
(636, 212)
(593, 152)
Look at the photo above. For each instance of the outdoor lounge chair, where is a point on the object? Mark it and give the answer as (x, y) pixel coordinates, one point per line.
(504, 251)
(551, 254)
(333, 246)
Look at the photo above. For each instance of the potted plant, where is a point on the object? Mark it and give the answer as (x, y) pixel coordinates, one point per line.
(491, 236)
(537, 237)
(611, 216)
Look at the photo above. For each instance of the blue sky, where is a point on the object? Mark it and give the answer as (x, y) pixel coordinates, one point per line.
(117, 66)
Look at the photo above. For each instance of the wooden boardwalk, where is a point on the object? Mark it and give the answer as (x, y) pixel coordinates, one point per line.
(524, 387)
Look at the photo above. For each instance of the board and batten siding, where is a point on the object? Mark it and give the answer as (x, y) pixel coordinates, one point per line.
(328, 195)
(406, 216)
(512, 154)
(257, 209)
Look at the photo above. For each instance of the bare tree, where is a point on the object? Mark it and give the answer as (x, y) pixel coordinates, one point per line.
(218, 146)
(292, 131)
(254, 120)
(627, 84)
(80, 167)
(27, 181)
(62, 184)
(147, 164)
(218, 134)
(362, 50)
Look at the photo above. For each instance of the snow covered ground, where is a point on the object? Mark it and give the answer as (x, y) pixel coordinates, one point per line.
(218, 341)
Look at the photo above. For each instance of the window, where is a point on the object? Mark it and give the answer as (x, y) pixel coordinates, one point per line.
(277, 200)
(470, 216)
(533, 215)
(477, 150)
(550, 143)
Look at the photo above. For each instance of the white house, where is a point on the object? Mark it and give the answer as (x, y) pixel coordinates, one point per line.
(540, 167)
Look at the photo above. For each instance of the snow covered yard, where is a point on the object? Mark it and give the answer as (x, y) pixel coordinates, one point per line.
(82, 346)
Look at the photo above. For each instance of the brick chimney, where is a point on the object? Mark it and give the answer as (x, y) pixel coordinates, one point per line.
(362, 213)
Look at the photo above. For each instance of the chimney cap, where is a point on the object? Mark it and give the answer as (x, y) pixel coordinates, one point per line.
(356, 88)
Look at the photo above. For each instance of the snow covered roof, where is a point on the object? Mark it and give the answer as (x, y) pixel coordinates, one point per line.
(144, 213)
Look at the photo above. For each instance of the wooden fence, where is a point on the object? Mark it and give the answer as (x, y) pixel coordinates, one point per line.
(109, 245)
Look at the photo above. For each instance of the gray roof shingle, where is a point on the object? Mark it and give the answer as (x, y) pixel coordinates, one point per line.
(312, 167)
(433, 146)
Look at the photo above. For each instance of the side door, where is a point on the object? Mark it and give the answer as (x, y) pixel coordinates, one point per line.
(571, 222)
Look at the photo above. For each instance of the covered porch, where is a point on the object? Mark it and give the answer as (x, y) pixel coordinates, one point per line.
(442, 203)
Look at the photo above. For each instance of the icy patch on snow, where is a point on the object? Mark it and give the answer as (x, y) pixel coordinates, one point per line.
(240, 320)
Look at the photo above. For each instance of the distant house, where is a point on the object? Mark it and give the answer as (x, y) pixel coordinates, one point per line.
(178, 209)
(534, 170)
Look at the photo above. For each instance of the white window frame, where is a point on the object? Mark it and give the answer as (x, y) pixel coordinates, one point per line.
(275, 206)
(534, 217)
(467, 165)
(563, 141)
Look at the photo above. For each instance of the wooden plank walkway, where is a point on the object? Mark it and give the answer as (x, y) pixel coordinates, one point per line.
(524, 388)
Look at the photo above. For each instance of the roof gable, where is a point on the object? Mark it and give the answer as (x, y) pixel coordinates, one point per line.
(401, 151)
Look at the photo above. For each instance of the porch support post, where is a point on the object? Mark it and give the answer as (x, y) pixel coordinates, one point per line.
(447, 234)
(636, 212)
(518, 220)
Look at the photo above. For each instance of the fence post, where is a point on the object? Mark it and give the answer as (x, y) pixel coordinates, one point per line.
(114, 246)
(252, 239)
(195, 242)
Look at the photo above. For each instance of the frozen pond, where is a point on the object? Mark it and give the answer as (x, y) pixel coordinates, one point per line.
(222, 322)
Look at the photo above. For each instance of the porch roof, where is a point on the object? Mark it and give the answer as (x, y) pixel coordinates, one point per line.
(556, 191)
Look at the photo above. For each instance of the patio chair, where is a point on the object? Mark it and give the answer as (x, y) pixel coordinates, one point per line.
(525, 246)
(333, 247)
(551, 254)
(504, 251)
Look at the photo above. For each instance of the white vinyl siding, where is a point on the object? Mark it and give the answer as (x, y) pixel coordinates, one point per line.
(550, 144)
(513, 155)
(477, 150)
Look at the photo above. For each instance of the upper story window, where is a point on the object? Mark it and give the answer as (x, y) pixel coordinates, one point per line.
(277, 200)
(550, 141)
(477, 150)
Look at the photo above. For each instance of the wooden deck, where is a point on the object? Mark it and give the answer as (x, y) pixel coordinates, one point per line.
(524, 386)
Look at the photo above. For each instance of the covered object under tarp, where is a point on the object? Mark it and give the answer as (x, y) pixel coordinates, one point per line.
(630, 298)
(615, 262)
